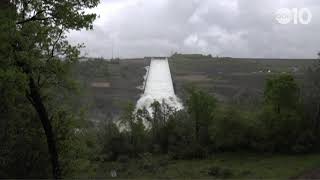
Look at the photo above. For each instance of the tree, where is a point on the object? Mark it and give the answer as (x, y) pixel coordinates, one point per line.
(161, 113)
(281, 118)
(281, 92)
(201, 106)
(132, 122)
(37, 56)
(311, 95)
(230, 129)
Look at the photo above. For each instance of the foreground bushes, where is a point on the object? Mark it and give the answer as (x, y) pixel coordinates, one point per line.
(231, 130)
(206, 126)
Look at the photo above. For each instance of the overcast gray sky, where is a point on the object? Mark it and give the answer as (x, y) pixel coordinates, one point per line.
(236, 28)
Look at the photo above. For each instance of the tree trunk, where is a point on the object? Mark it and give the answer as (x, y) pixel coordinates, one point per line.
(37, 102)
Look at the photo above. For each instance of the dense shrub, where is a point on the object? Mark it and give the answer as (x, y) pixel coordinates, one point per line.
(230, 130)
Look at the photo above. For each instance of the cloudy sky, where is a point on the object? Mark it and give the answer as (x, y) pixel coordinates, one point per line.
(236, 28)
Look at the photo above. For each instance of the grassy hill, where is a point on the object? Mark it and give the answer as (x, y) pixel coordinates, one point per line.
(231, 79)
(110, 85)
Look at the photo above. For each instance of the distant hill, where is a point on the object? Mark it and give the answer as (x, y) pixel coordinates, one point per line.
(110, 85)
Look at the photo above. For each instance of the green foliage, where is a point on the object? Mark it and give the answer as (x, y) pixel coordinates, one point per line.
(209, 127)
(76, 143)
(230, 130)
(200, 107)
(35, 78)
(311, 98)
(282, 92)
(23, 148)
(282, 122)
(178, 135)
(280, 131)
(113, 143)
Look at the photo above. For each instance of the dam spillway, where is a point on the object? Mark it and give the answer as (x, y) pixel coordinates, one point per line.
(159, 86)
(159, 82)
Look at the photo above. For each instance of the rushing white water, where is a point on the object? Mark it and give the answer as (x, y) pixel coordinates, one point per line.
(159, 86)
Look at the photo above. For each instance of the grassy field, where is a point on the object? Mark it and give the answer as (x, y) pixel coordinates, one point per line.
(227, 165)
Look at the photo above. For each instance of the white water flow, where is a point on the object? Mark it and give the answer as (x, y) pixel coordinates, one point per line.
(158, 86)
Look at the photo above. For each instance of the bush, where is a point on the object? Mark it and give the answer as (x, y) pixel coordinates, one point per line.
(200, 107)
(230, 130)
(280, 131)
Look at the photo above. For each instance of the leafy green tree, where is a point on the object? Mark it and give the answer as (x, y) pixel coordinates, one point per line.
(230, 129)
(127, 118)
(157, 122)
(23, 152)
(37, 57)
(311, 96)
(111, 140)
(281, 118)
(200, 107)
(282, 92)
(178, 128)
(133, 127)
